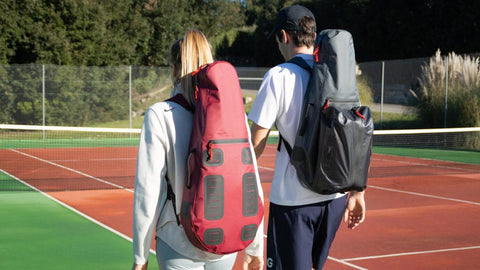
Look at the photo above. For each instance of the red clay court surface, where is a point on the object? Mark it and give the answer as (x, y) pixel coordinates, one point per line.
(421, 214)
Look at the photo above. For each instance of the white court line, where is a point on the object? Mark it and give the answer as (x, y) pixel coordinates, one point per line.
(93, 159)
(72, 170)
(346, 263)
(73, 209)
(343, 261)
(266, 168)
(409, 253)
(429, 165)
(423, 195)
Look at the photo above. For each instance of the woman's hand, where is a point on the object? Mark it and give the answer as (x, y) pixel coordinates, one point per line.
(252, 262)
(140, 266)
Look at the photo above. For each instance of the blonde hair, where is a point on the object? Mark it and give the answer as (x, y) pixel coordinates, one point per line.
(186, 55)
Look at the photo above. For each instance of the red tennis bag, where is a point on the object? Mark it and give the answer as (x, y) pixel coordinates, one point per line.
(221, 206)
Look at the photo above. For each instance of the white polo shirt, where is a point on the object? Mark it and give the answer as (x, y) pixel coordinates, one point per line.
(279, 101)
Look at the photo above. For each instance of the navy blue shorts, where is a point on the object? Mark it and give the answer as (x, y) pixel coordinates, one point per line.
(299, 237)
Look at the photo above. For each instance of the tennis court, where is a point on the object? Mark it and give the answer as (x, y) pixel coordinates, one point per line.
(421, 213)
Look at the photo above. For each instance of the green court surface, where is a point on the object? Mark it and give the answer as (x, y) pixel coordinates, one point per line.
(462, 156)
(38, 233)
(66, 143)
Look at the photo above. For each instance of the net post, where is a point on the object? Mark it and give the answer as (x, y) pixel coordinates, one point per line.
(43, 99)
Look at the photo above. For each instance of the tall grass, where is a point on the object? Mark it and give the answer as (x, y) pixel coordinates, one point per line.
(364, 90)
(463, 105)
(463, 95)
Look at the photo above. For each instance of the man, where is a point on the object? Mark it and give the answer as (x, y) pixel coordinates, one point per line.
(302, 223)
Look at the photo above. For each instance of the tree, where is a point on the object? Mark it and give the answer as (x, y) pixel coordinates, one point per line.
(73, 32)
(7, 97)
(213, 17)
(104, 32)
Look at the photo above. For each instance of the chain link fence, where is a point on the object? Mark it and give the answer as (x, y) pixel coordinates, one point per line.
(78, 96)
(85, 96)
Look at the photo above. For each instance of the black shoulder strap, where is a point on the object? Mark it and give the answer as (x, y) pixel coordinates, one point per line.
(182, 101)
(287, 145)
(171, 196)
(299, 61)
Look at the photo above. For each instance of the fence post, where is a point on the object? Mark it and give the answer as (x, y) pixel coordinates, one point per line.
(446, 103)
(446, 94)
(130, 94)
(381, 94)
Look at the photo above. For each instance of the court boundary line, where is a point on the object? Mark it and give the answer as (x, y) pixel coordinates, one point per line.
(71, 208)
(94, 159)
(428, 165)
(348, 260)
(411, 192)
(445, 166)
(424, 195)
(68, 206)
(412, 131)
(342, 261)
(266, 168)
(409, 253)
(72, 170)
(346, 263)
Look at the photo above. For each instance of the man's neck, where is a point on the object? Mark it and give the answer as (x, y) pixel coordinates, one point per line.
(300, 50)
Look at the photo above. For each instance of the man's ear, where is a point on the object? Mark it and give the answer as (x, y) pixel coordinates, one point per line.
(284, 37)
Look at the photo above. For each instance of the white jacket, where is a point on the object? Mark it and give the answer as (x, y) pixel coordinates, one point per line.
(162, 153)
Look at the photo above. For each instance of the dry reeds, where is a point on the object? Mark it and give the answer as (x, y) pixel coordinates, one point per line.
(463, 90)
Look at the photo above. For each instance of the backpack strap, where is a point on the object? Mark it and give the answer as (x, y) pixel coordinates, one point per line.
(287, 145)
(171, 196)
(182, 101)
(299, 61)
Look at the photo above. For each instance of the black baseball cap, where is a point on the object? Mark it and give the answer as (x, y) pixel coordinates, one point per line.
(289, 18)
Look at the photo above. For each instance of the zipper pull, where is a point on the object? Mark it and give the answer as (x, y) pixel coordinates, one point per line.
(359, 115)
(210, 151)
(327, 104)
(196, 80)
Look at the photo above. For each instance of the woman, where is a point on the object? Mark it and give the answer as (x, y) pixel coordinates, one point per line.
(162, 154)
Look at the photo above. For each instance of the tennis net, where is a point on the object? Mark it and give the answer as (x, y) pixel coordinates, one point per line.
(76, 158)
(436, 138)
(52, 158)
(439, 138)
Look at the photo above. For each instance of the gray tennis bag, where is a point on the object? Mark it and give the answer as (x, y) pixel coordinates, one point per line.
(334, 140)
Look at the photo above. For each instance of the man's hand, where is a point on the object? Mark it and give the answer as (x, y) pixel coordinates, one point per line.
(355, 211)
(252, 262)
